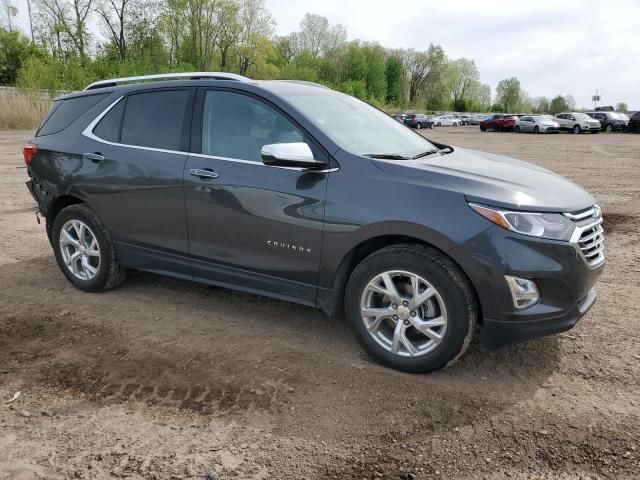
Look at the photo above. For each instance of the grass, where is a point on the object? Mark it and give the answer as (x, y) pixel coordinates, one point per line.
(19, 111)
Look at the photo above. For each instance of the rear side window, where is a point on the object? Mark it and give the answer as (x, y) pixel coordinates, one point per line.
(109, 127)
(64, 112)
(155, 119)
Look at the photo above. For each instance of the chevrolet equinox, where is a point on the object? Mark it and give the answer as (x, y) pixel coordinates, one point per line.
(294, 191)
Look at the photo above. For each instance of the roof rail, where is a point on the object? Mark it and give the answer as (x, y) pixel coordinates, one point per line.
(168, 76)
(304, 82)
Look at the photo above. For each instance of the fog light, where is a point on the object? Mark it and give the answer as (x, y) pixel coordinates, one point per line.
(523, 292)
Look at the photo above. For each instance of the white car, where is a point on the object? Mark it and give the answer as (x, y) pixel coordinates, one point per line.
(446, 121)
(576, 122)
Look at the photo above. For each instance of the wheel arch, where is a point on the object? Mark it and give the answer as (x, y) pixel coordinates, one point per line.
(56, 207)
(360, 251)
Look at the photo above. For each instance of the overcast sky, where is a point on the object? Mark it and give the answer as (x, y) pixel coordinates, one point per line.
(568, 47)
(573, 46)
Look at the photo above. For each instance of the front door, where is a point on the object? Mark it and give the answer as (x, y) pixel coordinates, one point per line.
(253, 227)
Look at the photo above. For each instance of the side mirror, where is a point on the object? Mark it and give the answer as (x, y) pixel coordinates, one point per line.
(289, 155)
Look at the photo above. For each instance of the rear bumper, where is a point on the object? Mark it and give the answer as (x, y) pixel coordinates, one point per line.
(498, 333)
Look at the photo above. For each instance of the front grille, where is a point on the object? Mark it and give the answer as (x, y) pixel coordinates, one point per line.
(591, 243)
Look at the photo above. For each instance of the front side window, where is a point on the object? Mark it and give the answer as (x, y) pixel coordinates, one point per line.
(155, 119)
(238, 126)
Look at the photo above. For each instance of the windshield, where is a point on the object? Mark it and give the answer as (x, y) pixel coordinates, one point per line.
(358, 127)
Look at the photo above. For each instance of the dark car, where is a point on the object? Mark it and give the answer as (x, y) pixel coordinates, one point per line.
(611, 121)
(499, 123)
(300, 193)
(418, 120)
(634, 123)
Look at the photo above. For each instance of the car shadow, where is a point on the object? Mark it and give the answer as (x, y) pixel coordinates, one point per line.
(174, 344)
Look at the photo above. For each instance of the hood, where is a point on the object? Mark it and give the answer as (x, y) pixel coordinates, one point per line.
(495, 180)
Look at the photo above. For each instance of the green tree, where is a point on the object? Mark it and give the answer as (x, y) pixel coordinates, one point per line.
(15, 48)
(376, 79)
(622, 107)
(423, 68)
(508, 94)
(394, 74)
(558, 104)
(541, 105)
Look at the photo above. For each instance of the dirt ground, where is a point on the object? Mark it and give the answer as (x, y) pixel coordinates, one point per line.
(165, 379)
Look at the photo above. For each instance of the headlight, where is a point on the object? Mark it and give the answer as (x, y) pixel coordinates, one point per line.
(554, 226)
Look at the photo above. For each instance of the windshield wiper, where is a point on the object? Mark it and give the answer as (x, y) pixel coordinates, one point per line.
(389, 156)
(424, 154)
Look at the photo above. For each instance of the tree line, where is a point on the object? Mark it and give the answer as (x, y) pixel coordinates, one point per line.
(71, 43)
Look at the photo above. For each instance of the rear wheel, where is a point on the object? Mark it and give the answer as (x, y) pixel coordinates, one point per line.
(517, 129)
(419, 126)
(498, 128)
(482, 128)
(439, 124)
(411, 308)
(536, 129)
(609, 128)
(576, 129)
(84, 250)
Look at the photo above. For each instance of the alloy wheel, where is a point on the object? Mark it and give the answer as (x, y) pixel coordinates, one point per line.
(80, 249)
(403, 313)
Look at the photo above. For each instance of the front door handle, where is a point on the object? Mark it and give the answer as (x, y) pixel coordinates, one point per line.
(203, 173)
(94, 157)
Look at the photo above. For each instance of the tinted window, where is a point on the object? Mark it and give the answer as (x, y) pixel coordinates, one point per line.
(155, 119)
(64, 112)
(237, 126)
(109, 127)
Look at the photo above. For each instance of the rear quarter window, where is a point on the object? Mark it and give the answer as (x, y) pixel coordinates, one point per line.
(65, 112)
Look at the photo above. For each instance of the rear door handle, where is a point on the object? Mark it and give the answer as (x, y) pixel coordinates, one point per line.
(203, 173)
(94, 157)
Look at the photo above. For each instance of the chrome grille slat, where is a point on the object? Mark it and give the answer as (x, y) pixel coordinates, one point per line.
(590, 237)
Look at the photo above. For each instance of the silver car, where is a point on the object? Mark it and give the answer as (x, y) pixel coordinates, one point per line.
(577, 122)
(537, 124)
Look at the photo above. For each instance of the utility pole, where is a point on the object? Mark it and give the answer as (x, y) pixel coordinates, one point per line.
(596, 99)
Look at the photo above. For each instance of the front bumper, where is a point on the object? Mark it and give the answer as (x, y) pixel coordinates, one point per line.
(564, 279)
(498, 333)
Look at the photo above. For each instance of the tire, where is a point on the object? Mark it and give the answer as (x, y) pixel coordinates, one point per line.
(109, 272)
(483, 129)
(608, 128)
(576, 129)
(498, 128)
(452, 289)
(419, 126)
(536, 129)
(517, 129)
(439, 124)
(431, 126)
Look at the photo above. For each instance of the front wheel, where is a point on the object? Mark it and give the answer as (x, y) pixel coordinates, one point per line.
(609, 128)
(439, 124)
(517, 129)
(576, 129)
(411, 308)
(84, 250)
(536, 129)
(419, 126)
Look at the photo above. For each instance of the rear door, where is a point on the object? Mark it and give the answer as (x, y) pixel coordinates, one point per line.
(253, 227)
(133, 175)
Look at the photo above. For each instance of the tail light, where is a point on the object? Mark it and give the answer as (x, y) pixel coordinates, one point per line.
(28, 152)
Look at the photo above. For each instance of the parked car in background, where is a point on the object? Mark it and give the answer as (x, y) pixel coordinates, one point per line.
(476, 119)
(463, 119)
(446, 121)
(611, 121)
(274, 188)
(418, 120)
(537, 124)
(498, 122)
(634, 123)
(577, 122)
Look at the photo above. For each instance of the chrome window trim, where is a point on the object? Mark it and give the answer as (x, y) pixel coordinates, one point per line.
(88, 132)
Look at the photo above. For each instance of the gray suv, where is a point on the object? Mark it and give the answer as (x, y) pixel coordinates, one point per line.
(297, 192)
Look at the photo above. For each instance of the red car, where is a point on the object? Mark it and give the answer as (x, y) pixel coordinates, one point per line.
(498, 122)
